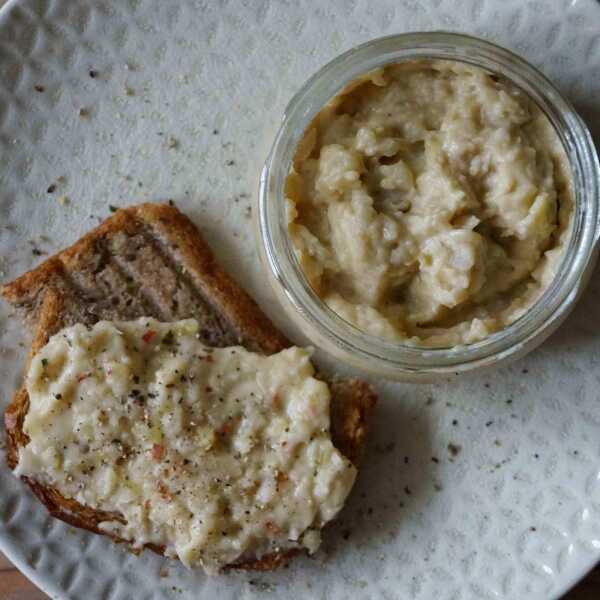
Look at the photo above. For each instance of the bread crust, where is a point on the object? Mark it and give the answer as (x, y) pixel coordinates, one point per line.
(39, 295)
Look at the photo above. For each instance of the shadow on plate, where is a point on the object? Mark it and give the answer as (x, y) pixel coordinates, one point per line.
(582, 327)
(396, 479)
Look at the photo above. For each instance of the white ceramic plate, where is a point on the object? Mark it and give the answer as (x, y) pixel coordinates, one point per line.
(479, 487)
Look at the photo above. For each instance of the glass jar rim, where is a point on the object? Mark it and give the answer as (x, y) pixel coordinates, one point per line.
(393, 358)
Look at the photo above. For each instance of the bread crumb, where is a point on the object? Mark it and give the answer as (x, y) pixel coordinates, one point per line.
(454, 449)
(63, 200)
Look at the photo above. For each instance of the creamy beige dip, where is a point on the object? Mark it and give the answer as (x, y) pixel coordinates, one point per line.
(216, 454)
(430, 202)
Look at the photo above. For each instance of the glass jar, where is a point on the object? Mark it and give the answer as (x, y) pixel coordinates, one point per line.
(329, 331)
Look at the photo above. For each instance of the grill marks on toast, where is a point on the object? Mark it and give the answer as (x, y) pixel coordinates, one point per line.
(108, 290)
(168, 287)
(140, 267)
(128, 295)
(99, 290)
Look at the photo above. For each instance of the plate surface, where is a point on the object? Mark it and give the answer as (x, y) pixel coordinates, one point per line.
(479, 487)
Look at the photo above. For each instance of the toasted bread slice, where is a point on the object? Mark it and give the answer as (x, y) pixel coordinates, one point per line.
(150, 260)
